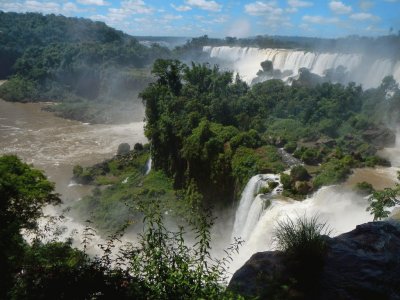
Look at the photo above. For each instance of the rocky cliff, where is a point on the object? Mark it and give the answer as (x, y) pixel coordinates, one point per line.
(361, 264)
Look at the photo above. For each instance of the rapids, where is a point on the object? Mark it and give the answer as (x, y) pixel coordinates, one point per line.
(55, 145)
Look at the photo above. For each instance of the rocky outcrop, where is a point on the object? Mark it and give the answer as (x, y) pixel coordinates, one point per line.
(379, 136)
(361, 264)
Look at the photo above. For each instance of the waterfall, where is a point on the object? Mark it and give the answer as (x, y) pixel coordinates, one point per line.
(289, 159)
(148, 166)
(361, 69)
(251, 205)
(342, 209)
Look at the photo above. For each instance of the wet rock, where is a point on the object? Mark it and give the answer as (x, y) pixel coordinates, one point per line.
(302, 187)
(123, 149)
(361, 264)
(379, 136)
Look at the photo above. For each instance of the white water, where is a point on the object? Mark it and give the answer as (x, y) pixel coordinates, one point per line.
(342, 210)
(339, 206)
(148, 165)
(361, 69)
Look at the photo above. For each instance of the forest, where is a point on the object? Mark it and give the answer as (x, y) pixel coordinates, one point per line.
(87, 67)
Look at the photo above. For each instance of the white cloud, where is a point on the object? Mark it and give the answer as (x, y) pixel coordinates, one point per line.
(274, 16)
(364, 17)
(205, 4)
(45, 7)
(71, 7)
(212, 19)
(93, 2)
(181, 7)
(339, 7)
(320, 19)
(126, 11)
(299, 3)
(365, 4)
(136, 7)
(263, 8)
(170, 17)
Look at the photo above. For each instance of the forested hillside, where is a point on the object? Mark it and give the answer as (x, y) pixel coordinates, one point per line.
(209, 128)
(74, 61)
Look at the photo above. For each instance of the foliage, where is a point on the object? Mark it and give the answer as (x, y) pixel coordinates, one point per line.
(381, 200)
(299, 173)
(301, 238)
(24, 191)
(331, 172)
(207, 126)
(161, 265)
(304, 244)
(75, 61)
(365, 188)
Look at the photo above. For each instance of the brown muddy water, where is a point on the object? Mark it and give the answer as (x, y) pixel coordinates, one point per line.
(55, 145)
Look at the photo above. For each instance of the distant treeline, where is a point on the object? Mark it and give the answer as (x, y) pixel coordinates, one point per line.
(71, 60)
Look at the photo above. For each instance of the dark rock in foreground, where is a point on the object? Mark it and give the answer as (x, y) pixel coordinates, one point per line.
(361, 264)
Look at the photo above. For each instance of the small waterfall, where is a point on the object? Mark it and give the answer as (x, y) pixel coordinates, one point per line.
(251, 204)
(361, 69)
(342, 210)
(288, 158)
(148, 166)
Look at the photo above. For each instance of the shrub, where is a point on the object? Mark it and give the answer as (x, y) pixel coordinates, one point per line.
(290, 146)
(365, 188)
(305, 246)
(299, 173)
(301, 238)
(286, 181)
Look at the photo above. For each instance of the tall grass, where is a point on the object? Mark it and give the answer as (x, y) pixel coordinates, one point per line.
(302, 237)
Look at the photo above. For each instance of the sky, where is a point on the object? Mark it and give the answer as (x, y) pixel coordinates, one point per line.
(218, 18)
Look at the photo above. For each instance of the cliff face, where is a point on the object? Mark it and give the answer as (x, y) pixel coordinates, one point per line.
(361, 264)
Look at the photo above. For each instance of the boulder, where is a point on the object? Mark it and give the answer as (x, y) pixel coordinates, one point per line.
(302, 187)
(379, 136)
(123, 149)
(361, 264)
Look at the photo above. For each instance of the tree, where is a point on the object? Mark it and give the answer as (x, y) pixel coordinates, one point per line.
(24, 191)
(381, 200)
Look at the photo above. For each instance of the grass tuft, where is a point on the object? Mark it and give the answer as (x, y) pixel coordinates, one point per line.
(303, 237)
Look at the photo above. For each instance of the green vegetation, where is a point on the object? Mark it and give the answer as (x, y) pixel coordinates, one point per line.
(364, 188)
(211, 129)
(160, 266)
(380, 201)
(93, 71)
(122, 186)
(303, 244)
(301, 238)
(23, 193)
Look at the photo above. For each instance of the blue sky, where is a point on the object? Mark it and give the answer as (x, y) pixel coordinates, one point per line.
(219, 18)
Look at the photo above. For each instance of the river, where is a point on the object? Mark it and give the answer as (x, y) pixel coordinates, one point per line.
(55, 145)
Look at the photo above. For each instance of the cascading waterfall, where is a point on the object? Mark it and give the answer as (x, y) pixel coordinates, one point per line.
(342, 210)
(148, 166)
(251, 204)
(361, 69)
(339, 206)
